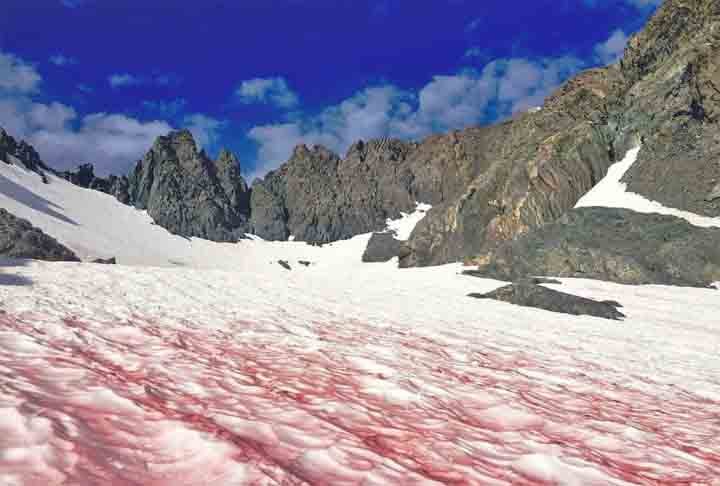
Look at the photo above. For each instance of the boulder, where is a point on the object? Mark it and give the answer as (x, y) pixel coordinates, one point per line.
(530, 295)
(105, 261)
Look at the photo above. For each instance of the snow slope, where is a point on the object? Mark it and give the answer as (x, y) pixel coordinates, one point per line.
(612, 193)
(218, 366)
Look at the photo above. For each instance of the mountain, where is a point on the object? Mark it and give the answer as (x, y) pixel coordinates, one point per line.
(14, 152)
(486, 185)
(189, 194)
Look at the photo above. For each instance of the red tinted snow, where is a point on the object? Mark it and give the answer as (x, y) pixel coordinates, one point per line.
(145, 403)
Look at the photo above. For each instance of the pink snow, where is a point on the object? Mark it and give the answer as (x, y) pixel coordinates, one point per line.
(193, 406)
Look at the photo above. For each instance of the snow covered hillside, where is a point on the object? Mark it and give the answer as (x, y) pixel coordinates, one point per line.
(198, 363)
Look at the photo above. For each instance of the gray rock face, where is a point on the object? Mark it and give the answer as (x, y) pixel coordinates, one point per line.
(671, 98)
(189, 194)
(530, 170)
(617, 245)
(318, 197)
(12, 151)
(529, 295)
(20, 239)
(381, 247)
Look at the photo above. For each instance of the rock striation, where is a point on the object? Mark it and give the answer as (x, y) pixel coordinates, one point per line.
(487, 185)
(616, 245)
(671, 97)
(20, 239)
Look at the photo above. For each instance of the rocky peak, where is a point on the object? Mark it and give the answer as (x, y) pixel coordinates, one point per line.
(389, 149)
(189, 194)
(12, 151)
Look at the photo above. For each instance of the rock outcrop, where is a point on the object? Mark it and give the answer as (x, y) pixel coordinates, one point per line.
(616, 245)
(84, 176)
(381, 247)
(189, 194)
(487, 185)
(671, 98)
(530, 170)
(14, 152)
(20, 239)
(318, 197)
(530, 295)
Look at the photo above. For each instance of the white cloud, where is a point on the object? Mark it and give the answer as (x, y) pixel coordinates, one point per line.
(274, 91)
(111, 142)
(612, 49)
(62, 60)
(206, 130)
(64, 139)
(16, 75)
(446, 102)
(122, 80)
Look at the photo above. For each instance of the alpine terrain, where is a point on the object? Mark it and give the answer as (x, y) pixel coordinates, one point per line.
(532, 302)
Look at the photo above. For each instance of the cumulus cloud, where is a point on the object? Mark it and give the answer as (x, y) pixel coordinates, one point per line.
(612, 49)
(274, 91)
(111, 142)
(205, 129)
(17, 75)
(447, 102)
(62, 60)
(64, 139)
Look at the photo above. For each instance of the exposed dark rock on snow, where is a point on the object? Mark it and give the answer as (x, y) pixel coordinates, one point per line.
(284, 264)
(381, 247)
(13, 152)
(20, 239)
(304, 263)
(189, 194)
(106, 261)
(617, 245)
(530, 295)
(84, 176)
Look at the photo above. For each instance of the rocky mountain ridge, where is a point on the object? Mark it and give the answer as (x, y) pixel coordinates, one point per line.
(487, 185)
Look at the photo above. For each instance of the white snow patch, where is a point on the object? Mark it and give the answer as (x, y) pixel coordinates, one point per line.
(611, 193)
(404, 226)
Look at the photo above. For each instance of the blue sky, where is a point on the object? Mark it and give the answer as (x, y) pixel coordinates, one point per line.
(97, 80)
